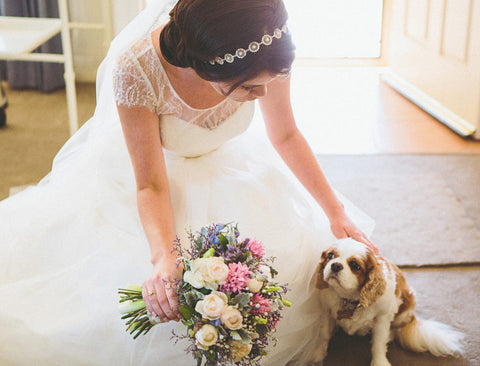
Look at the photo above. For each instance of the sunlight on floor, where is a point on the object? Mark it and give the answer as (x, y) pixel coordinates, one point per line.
(350, 110)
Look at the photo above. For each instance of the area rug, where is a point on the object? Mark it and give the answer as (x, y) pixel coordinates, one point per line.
(427, 207)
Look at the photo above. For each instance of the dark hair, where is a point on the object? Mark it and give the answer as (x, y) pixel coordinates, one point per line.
(200, 30)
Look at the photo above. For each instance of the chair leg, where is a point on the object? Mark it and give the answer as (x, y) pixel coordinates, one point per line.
(3, 117)
(69, 73)
(3, 97)
(3, 106)
(71, 101)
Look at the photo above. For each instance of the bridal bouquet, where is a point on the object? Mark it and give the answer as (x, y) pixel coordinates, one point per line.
(228, 298)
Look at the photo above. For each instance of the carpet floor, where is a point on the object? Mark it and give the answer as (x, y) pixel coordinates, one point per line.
(427, 207)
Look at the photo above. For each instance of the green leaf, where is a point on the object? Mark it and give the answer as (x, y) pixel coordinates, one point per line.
(272, 288)
(204, 291)
(242, 300)
(209, 253)
(192, 296)
(249, 256)
(260, 320)
(223, 242)
(187, 311)
(274, 271)
(245, 337)
(188, 323)
(286, 303)
(235, 335)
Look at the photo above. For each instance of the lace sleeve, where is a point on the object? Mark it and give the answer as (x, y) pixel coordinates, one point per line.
(131, 85)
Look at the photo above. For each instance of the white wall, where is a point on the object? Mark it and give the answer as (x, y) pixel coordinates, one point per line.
(90, 46)
(123, 11)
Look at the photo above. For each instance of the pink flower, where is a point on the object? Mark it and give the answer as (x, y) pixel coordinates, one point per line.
(256, 247)
(260, 305)
(238, 276)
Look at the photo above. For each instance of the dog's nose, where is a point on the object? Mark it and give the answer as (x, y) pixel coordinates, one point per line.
(337, 267)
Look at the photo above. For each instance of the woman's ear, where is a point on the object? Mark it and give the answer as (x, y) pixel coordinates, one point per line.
(375, 285)
(320, 281)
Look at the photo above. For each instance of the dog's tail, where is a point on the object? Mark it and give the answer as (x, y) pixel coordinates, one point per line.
(428, 335)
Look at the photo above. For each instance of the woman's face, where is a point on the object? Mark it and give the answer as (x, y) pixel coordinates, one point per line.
(248, 90)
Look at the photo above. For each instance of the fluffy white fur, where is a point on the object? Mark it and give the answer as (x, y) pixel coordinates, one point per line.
(376, 299)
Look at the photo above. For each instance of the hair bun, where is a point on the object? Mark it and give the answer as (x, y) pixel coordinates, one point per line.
(172, 45)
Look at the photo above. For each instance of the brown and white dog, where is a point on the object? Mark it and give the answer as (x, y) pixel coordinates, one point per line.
(364, 293)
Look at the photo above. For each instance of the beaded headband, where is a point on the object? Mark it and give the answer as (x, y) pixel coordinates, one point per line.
(252, 47)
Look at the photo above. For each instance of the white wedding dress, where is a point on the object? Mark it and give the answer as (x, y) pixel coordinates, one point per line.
(68, 243)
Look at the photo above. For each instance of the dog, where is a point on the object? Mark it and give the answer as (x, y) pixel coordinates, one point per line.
(365, 293)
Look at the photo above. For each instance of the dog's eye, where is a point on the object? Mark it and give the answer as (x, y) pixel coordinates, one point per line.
(331, 255)
(354, 266)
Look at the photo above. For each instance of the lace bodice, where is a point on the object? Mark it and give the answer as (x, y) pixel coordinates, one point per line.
(140, 80)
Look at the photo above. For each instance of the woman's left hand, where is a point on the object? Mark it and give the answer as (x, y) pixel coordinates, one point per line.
(342, 227)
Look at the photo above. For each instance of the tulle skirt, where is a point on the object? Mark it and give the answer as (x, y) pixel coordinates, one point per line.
(70, 242)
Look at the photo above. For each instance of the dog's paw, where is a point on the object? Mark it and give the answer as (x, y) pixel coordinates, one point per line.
(380, 362)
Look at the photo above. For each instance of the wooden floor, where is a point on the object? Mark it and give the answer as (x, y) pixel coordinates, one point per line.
(351, 111)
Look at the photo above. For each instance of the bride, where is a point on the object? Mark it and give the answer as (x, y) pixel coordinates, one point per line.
(167, 149)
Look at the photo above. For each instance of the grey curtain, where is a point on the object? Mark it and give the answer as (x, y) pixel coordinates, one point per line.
(33, 75)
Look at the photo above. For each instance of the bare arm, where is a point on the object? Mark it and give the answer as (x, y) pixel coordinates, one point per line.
(142, 136)
(295, 151)
(140, 128)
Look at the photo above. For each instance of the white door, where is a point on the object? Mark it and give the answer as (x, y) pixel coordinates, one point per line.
(434, 55)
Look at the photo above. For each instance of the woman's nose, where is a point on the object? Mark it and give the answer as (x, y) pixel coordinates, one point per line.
(260, 91)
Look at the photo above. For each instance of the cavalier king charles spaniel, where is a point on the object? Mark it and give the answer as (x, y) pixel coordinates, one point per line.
(364, 293)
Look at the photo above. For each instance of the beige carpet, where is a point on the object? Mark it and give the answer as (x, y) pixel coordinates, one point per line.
(36, 129)
(427, 207)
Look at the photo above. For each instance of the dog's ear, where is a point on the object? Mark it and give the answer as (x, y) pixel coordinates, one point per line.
(320, 280)
(375, 285)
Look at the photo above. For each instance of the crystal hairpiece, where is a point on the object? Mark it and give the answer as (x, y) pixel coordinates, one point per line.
(252, 47)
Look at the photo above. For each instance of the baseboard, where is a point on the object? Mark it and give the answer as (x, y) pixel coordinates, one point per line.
(429, 105)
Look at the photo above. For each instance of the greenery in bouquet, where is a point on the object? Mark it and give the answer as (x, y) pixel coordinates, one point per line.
(228, 297)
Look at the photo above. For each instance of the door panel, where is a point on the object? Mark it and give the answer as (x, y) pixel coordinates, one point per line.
(435, 58)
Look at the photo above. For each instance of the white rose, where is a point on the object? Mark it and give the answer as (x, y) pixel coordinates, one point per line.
(207, 336)
(212, 306)
(239, 350)
(254, 285)
(194, 278)
(207, 272)
(232, 318)
(217, 270)
(199, 265)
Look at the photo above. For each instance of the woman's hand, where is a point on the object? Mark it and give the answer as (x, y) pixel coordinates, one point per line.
(342, 227)
(159, 291)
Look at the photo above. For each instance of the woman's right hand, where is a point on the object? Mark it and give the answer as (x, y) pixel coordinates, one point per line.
(159, 291)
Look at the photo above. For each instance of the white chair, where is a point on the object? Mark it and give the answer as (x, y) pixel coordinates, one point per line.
(19, 36)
